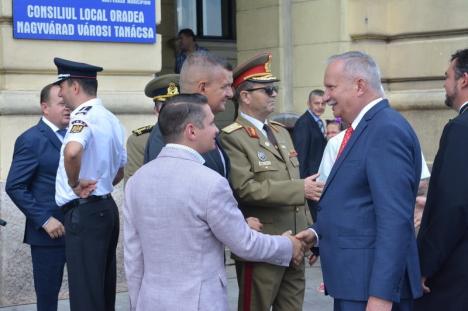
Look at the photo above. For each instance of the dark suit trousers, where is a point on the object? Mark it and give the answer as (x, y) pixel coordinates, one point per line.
(92, 232)
(48, 263)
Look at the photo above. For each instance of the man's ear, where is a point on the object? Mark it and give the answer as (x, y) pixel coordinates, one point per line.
(361, 86)
(201, 87)
(464, 80)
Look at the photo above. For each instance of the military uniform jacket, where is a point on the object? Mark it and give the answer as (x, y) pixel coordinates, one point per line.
(265, 180)
(136, 144)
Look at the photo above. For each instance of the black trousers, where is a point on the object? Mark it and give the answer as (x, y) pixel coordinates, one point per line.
(48, 264)
(92, 232)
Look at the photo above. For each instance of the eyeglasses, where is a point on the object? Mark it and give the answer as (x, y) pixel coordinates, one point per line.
(268, 90)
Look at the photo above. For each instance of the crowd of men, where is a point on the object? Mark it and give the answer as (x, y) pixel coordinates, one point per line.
(191, 190)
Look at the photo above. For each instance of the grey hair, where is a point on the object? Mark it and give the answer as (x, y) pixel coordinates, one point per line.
(360, 64)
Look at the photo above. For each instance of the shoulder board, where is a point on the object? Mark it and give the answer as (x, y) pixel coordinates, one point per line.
(231, 128)
(277, 123)
(84, 110)
(143, 130)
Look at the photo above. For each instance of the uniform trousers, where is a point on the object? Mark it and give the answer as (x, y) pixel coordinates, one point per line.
(92, 232)
(48, 264)
(263, 286)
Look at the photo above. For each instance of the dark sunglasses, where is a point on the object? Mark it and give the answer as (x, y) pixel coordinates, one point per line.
(268, 89)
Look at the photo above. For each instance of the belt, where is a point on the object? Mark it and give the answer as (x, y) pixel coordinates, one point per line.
(76, 202)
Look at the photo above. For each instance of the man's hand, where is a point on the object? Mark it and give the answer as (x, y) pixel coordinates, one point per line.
(254, 223)
(85, 187)
(313, 188)
(298, 249)
(54, 228)
(312, 259)
(425, 288)
(377, 304)
(418, 210)
(308, 237)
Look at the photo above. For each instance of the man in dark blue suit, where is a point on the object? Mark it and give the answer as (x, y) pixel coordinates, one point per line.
(309, 140)
(365, 226)
(31, 186)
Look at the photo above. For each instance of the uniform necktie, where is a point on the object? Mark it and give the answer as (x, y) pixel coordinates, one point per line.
(270, 135)
(62, 132)
(346, 137)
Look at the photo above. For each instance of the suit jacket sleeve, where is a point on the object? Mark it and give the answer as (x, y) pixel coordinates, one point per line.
(229, 226)
(445, 221)
(19, 180)
(133, 252)
(268, 192)
(301, 139)
(392, 178)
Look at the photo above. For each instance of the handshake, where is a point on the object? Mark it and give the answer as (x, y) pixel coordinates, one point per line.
(302, 242)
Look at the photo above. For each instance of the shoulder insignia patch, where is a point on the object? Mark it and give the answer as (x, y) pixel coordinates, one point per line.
(84, 110)
(143, 130)
(231, 128)
(252, 132)
(77, 126)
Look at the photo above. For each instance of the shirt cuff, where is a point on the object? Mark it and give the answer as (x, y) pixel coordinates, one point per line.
(316, 237)
(47, 221)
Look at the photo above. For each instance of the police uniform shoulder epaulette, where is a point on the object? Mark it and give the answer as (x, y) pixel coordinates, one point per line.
(231, 128)
(143, 130)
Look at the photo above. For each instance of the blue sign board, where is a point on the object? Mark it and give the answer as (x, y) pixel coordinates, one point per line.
(85, 20)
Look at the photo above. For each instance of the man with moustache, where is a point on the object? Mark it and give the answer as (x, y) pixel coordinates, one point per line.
(443, 235)
(31, 186)
(266, 182)
(364, 223)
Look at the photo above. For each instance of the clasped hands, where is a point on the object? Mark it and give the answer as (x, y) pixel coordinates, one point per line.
(302, 241)
(83, 187)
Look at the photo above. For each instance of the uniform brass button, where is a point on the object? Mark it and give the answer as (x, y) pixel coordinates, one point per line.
(297, 209)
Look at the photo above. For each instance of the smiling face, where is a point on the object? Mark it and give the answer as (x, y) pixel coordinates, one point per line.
(218, 90)
(340, 91)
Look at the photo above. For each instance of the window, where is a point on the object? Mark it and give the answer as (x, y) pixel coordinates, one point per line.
(211, 19)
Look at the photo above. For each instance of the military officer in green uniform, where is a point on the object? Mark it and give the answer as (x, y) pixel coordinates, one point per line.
(159, 89)
(265, 179)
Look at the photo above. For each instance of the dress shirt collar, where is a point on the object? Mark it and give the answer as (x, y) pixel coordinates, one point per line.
(187, 148)
(52, 126)
(257, 123)
(462, 108)
(363, 112)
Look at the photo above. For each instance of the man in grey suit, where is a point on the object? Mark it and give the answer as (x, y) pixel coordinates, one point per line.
(179, 214)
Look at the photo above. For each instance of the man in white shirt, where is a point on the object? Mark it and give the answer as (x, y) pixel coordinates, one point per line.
(92, 160)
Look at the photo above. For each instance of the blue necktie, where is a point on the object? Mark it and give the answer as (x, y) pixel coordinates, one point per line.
(320, 124)
(62, 132)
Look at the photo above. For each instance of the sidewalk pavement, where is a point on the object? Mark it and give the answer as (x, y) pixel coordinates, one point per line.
(313, 301)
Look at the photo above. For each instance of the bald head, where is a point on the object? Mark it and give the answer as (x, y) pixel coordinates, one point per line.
(209, 75)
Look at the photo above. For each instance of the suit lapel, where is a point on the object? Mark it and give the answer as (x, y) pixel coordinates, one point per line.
(47, 132)
(362, 126)
(314, 126)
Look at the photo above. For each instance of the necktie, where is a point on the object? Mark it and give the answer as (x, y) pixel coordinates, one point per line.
(62, 132)
(320, 124)
(270, 135)
(346, 137)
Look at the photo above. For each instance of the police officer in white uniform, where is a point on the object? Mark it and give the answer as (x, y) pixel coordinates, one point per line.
(91, 163)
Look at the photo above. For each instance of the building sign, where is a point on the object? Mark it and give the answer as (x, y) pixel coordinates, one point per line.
(85, 20)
